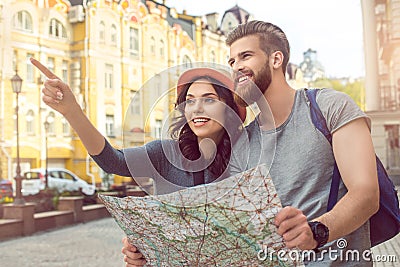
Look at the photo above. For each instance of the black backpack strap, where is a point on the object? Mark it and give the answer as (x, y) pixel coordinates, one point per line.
(320, 123)
(198, 177)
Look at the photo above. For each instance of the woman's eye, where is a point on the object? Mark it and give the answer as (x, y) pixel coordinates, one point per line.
(190, 101)
(209, 100)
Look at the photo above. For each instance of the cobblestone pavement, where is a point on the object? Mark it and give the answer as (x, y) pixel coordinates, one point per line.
(387, 254)
(97, 243)
(389, 250)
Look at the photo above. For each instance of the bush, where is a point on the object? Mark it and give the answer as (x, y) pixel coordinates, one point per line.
(45, 200)
(6, 200)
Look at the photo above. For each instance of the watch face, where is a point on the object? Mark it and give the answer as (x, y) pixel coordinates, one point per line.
(320, 233)
(321, 230)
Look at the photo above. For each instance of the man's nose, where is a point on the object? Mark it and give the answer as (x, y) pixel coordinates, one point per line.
(237, 66)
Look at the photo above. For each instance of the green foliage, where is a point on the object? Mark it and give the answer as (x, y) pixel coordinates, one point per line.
(355, 89)
(6, 200)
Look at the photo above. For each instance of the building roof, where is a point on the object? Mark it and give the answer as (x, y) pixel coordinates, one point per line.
(241, 15)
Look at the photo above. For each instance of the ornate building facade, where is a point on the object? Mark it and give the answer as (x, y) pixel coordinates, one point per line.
(381, 21)
(106, 50)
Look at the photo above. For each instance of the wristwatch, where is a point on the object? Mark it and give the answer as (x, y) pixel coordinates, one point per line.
(320, 233)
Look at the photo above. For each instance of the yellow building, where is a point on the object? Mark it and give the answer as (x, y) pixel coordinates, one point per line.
(107, 51)
(32, 29)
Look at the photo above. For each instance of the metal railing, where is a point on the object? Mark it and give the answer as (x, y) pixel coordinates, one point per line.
(390, 98)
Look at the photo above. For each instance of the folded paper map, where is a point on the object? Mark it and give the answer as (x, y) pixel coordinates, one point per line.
(226, 223)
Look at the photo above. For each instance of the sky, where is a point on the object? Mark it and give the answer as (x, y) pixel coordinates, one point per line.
(331, 27)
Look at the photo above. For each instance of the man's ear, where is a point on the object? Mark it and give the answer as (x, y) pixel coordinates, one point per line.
(277, 58)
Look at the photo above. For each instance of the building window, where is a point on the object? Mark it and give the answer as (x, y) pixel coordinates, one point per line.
(30, 127)
(57, 29)
(51, 64)
(133, 41)
(23, 21)
(113, 34)
(162, 48)
(393, 146)
(30, 71)
(212, 57)
(157, 80)
(152, 45)
(110, 132)
(66, 127)
(157, 129)
(64, 71)
(135, 105)
(187, 63)
(50, 119)
(108, 77)
(102, 30)
(230, 26)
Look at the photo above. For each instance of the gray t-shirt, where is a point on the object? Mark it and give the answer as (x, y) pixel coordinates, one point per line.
(301, 163)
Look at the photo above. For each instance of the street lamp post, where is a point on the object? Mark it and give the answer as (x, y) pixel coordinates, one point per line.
(46, 127)
(16, 83)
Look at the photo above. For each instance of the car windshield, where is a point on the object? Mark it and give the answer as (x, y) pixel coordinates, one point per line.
(32, 175)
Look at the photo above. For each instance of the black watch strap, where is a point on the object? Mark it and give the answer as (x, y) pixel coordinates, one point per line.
(320, 233)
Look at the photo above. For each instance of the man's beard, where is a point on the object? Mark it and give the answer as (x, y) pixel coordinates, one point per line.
(253, 91)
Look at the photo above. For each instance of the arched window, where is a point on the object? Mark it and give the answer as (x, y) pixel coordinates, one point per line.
(102, 30)
(212, 57)
(23, 21)
(57, 29)
(113, 34)
(187, 62)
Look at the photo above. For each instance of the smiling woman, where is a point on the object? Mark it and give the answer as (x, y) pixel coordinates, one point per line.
(206, 106)
(200, 148)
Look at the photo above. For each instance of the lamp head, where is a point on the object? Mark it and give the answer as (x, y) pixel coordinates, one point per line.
(16, 83)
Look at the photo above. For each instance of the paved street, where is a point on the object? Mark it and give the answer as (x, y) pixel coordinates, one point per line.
(98, 243)
(388, 252)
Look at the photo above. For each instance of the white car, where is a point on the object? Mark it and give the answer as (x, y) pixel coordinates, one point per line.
(58, 178)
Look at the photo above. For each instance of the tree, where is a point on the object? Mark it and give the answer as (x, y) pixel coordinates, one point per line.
(354, 88)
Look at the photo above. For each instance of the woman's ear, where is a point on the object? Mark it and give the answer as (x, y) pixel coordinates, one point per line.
(277, 58)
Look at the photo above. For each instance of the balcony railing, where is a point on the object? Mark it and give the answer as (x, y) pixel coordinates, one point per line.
(390, 98)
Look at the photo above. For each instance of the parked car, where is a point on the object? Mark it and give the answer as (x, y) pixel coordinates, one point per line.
(6, 189)
(58, 178)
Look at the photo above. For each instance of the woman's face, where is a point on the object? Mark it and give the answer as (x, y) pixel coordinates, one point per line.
(204, 111)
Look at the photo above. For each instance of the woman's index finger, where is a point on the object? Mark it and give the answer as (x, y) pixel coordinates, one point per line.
(43, 69)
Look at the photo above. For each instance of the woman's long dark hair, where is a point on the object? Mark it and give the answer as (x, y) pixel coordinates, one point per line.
(187, 140)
